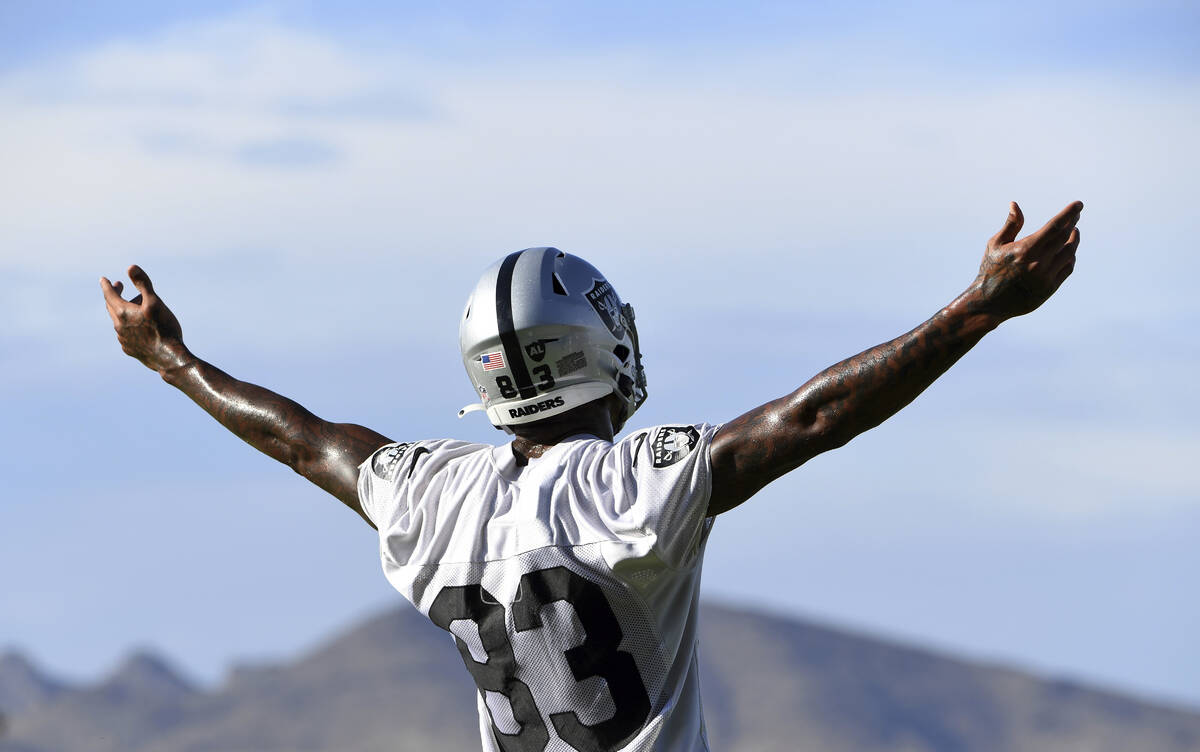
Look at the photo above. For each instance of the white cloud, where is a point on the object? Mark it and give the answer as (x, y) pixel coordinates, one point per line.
(252, 160)
(136, 146)
(1084, 471)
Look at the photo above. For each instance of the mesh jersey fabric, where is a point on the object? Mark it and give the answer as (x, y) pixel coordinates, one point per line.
(570, 584)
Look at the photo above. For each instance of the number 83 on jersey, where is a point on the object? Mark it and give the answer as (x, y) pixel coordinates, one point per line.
(598, 655)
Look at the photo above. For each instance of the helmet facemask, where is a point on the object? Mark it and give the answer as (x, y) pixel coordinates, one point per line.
(631, 387)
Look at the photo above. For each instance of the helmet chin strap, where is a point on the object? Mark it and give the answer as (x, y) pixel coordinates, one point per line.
(471, 409)
(480, 407)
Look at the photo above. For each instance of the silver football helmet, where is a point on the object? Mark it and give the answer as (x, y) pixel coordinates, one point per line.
(543, 333)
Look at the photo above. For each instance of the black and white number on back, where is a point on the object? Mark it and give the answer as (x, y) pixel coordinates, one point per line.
(599, 655)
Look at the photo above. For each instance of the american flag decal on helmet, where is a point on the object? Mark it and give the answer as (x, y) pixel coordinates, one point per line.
(491, 361)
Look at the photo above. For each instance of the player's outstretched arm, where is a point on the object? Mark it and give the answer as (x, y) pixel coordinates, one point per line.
(328, 454)
(861, 392)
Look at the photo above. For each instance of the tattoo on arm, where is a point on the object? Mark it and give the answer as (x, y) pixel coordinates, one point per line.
(841, 402)
(328, 454)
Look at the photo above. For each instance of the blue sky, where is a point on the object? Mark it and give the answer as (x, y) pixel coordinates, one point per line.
(775, 187)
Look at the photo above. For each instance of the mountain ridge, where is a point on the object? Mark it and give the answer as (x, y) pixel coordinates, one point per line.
(24, 685)
(395, 682)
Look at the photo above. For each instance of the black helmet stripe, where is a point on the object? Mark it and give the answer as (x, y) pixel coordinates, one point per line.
(508, 335)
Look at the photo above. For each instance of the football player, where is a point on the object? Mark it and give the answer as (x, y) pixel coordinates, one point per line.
(567, 564)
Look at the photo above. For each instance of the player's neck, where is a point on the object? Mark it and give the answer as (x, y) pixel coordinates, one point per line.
(535, 439)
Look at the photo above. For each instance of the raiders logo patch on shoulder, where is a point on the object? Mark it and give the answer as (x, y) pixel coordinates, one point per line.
(670, 444)
(386, 461)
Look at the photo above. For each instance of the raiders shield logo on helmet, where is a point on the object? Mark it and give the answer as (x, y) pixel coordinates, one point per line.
(670, 444)
(604, 299)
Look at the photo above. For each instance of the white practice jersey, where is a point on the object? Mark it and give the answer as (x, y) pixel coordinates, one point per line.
(570, 584)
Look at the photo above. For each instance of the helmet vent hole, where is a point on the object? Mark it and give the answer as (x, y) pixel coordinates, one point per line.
(622, 352)
(561, 255)
(558, 286)
(467, 315)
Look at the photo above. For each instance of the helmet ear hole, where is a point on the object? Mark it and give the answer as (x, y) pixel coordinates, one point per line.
(622, 353)
(625, 384)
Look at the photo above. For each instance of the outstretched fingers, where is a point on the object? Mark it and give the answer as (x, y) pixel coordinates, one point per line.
(1061, 224)
(1012, 226)
(141, 281)
(1072, 241)
(1066, 255)
(111, 290)
(113, 301)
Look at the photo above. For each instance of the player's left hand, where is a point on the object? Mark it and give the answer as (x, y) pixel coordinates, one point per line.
(1017, 276)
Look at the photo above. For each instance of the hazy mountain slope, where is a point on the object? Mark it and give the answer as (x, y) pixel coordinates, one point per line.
(22, 685)
(788, 685)
(396, 683)
(122, 712)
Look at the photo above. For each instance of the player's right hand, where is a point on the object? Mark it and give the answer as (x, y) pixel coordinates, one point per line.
(1017, 276)
(146, 328)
